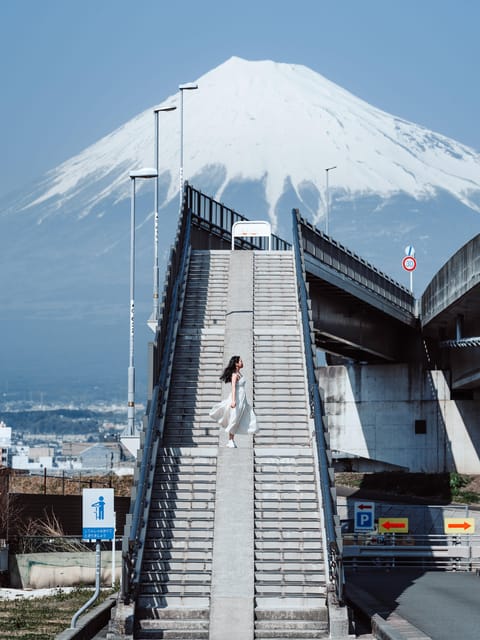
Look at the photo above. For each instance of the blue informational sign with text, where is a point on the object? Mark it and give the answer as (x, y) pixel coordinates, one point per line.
(98, 515)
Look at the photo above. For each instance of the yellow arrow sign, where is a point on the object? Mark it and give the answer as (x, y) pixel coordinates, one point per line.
(393, 525)
(459, 525)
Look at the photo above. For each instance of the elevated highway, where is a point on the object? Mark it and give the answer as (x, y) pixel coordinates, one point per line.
(450, 314)
(358, 311)
(363, 315)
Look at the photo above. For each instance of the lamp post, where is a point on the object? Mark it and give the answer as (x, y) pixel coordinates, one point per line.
(139, 173)
(153, 321)
(183, 87)
(327, 197)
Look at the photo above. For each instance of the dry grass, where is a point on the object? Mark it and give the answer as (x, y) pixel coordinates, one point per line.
(43, 618)
(22, 483)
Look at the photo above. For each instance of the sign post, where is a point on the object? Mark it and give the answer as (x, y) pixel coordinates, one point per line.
(98, 523)
(364, 513)
(409, 263)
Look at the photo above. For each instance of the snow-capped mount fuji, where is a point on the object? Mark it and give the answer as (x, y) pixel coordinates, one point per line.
(257, 136)
(273, 122)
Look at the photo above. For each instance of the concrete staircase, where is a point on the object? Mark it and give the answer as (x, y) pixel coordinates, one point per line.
(290, 589)
(279, 382)
(173, 600)
(269, 533)
(195, 386)
(174, 594)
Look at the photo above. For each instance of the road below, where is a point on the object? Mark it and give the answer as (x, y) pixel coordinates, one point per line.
(444, 605)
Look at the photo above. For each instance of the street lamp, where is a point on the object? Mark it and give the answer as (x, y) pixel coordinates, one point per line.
(327, 197)
(152, 323)
(183, 87)
(139, 173)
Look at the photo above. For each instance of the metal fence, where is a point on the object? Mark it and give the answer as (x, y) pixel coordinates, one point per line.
(444, 552)
(218, 220)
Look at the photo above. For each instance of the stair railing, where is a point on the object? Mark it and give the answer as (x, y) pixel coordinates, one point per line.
(217, 219)
(160, 364)
(327, 485)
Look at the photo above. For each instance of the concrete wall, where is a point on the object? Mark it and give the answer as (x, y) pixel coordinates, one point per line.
(371, 412)
(457, 276)
(47, 570)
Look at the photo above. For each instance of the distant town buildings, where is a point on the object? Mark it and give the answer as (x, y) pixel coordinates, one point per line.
(110, 456)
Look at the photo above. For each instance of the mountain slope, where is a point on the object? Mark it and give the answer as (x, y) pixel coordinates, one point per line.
(266, 121)
(257, 136)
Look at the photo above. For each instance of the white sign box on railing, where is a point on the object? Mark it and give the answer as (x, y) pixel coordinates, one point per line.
(252, 228)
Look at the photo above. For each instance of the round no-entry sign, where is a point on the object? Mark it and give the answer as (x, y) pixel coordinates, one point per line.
(409, 263)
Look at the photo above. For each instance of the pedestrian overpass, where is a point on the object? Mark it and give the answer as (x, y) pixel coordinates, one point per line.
(246, 543)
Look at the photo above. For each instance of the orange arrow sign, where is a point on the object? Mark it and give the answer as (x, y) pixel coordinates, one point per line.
(454, 525)
(395, 525)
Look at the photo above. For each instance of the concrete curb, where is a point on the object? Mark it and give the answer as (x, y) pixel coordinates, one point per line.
(385, 624)
(90, 623)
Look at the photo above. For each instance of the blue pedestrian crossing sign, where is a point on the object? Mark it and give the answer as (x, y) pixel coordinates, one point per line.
(98, 521)
(364, 516)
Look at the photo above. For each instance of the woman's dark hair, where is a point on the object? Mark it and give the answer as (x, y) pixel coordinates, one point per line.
(229, 369)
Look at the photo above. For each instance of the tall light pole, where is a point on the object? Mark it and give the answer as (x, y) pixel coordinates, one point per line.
(327, 198)
(139, 173)
(153, 321)
(183, 87)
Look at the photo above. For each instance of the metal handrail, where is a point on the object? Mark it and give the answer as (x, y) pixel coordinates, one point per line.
(411, 540)
(135, 530)
(220, 219)
(448, 552)
(326, 484)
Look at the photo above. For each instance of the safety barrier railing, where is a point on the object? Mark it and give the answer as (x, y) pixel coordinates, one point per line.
(331, 520)
(459, 275)
(338, 257)
(218, 220)
(161, 356)
(445, 552)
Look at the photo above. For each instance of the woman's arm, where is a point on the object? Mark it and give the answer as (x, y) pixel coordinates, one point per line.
(234, 384)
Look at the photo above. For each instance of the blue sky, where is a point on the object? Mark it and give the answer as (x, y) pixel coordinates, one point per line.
(73, 70)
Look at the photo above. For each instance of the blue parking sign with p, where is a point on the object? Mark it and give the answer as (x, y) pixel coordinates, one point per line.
(364, 516)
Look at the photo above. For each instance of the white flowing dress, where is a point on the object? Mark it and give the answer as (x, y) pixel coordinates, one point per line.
(239, 419)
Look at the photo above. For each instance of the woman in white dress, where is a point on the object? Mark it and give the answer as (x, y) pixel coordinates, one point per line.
(234, 413)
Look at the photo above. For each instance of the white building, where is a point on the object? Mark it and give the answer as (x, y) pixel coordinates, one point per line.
(5, 443)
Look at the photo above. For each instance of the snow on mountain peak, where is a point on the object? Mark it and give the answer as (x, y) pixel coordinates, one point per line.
(274, 123)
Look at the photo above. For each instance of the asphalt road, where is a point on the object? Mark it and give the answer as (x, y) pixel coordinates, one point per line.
(444, 605)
